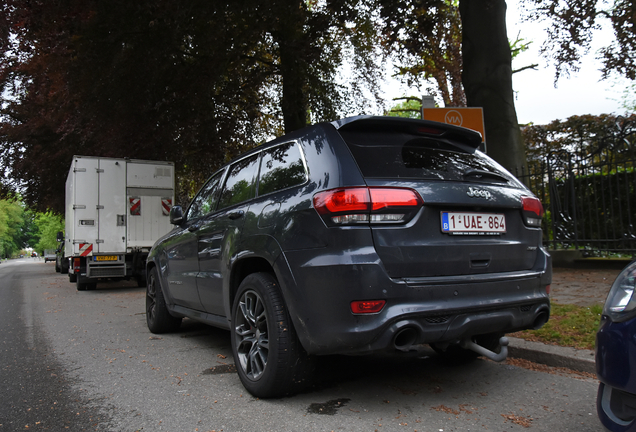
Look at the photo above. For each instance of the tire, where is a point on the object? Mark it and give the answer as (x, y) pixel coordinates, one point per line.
(158, 317)
(64, 266)
(269, 358)
(85, 286)
(57, 267)
(456, 355)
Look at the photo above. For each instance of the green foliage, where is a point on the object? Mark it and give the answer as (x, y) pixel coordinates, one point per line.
(410, 108)
(11, 221)
(569, 325)
(628, 99)
(426, 38)
(48, 224)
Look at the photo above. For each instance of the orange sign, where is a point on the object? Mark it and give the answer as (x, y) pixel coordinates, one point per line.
(471, 118)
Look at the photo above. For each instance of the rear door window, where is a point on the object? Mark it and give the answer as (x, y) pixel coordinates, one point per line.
(281, 167)
(239, 185)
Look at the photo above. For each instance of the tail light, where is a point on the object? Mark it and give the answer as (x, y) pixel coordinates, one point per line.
(364, 205)
(532, 211)
(76, 265)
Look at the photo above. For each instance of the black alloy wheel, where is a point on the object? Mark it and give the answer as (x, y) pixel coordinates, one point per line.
(269, 358)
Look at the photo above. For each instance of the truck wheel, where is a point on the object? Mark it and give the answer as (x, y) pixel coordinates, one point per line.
(269, 358)
(57, 267)
(158, 317)
(83, 286)
(64, 266)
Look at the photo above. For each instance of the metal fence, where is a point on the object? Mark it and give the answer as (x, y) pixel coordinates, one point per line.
(589, 194)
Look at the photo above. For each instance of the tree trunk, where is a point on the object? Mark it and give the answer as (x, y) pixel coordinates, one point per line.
(291, 41)
(487, 79)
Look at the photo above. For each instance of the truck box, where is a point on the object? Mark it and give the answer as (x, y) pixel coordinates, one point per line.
(115, 210)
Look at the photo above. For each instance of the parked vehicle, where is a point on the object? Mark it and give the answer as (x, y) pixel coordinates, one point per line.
(49, 255)
(616, 355)
(361, 235)
(115, 210)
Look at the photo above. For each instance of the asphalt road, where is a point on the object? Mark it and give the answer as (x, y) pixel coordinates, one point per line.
(86, 361)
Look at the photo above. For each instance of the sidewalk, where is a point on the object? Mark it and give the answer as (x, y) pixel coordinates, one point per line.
(583, 285)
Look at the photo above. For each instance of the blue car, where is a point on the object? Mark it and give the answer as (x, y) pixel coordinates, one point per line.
(616, 355)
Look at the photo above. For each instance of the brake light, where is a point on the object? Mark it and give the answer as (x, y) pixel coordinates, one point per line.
(533, 211)
(384, 198)
(366, 204)
(342, 200)
(430, 130)
(367, 306)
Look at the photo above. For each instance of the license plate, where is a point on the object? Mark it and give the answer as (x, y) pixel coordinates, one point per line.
(105, 257)
(473, 223)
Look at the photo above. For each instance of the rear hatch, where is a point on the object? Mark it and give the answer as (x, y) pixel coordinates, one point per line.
(471, 219)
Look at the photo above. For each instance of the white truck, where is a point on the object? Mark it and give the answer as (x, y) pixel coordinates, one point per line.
(115, 211)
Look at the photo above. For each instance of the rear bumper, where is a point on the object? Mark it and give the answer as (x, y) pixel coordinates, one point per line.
(433, 310)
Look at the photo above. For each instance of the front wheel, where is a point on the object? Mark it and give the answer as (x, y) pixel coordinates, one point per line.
(158, 317)
(269, 358)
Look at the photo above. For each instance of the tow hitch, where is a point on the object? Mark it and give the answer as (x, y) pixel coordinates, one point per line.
(503, 341)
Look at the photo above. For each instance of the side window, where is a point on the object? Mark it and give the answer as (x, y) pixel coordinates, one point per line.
(205, 201)
(281, 167)
(239, 185)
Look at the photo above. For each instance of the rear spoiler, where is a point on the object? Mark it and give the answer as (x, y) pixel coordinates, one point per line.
(465, 136)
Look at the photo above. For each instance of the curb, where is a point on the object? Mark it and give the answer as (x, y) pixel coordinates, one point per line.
(552, 355)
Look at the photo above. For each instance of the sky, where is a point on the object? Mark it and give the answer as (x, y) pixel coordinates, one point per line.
(536, 98)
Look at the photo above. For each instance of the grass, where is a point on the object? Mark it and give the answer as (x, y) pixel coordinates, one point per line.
(569, 325)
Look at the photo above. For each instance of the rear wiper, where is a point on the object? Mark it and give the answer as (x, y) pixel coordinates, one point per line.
(482, 175)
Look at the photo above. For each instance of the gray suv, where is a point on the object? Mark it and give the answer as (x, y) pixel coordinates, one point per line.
(362, 235)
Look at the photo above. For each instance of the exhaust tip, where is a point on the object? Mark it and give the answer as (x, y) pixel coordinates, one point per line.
(405, 339)
(540, 320)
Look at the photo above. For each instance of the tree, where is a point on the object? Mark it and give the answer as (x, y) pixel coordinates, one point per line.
(570, 31)
(413, 27)
(11, 220)
(425, 37)
(410, 108)
(487, 79)
(195, 82)
(48, 225)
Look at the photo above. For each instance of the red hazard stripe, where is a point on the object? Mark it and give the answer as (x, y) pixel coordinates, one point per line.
(166, 205)
(86, 249)
(135, 206)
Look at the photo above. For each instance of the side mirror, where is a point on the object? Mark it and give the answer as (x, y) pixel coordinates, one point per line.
(60, 236)
(176, 215)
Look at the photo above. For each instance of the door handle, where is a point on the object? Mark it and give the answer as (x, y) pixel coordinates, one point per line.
(236, 215)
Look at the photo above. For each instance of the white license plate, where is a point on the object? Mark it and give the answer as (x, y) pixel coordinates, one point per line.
(473, 223)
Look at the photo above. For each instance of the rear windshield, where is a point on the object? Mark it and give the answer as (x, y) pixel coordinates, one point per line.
(404, 155)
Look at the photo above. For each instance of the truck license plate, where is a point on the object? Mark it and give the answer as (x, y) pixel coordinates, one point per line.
(105, 257)
(473, 223)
